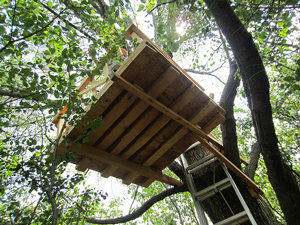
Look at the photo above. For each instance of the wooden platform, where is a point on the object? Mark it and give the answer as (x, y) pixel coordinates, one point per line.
(137, 136)
(153, 111)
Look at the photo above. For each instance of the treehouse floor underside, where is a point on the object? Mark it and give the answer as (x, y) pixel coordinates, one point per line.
(149, 107)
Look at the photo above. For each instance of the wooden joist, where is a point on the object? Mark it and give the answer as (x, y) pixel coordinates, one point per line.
(156, 104)
(100, 155)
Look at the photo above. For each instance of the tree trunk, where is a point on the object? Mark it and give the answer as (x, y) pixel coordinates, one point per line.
(228, 128)
(215, 206)
(256, 86)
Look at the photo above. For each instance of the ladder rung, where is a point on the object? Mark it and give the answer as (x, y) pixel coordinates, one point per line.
(200, 163)
(210, 191)
(236, 219)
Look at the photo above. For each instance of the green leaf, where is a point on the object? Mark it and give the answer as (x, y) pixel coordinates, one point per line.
(2, 30)
(141, 7)
(85, 140)
(56, 94)
(175, 47)
(2, 18)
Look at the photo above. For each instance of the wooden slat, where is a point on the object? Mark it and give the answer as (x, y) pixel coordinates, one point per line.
(124, 140)
(205, 109)
(228, 163)
(105, 97)
(83, 164)
(141, 56)
(155, 126)
(160, 122)
(155, 90)
(124, 101)
(212, 123)
(132, 28)
(178, 134)
(93, 86)
(156, 104)
(105, 157)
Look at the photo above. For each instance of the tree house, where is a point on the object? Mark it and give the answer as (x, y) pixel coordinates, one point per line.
(153, 111)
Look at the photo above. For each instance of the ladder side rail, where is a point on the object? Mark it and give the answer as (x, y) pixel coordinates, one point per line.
(239, 195)
(192, 188)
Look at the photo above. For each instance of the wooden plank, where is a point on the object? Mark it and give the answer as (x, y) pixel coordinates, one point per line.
(155, 126)
(228, 163)
(156, 104)
(83, 164)
(130, 134)
(132, 177)
(204, 110)
(118, 108)
(212, 123)
(105, 157)
(178, 134)
(105, 97)
(93, 86)
(155, 90)
(160, 122)
(141, 55)
(132, 28)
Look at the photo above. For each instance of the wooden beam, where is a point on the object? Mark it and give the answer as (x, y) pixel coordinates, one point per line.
(162, 108)
(93, 86)
(229, 164)
(122, 163)
(83, 164)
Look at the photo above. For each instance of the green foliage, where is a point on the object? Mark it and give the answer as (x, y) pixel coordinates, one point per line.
(44, 57)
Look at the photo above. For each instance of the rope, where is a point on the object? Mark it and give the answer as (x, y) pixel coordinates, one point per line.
(214, 181)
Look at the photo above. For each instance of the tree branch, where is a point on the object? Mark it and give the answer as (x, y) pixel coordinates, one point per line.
(204, 73)
(20, 96)
(30, 35)
(67, 22)
(143, 208)
(159, 6)
(254, 157)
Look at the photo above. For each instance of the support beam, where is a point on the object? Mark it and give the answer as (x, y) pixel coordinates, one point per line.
(228, 163)
(162, 108)
(100, 155)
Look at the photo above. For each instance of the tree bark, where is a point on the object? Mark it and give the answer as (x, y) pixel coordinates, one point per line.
(254, 157)
(228, 128)
(256, 86)
(215, 206)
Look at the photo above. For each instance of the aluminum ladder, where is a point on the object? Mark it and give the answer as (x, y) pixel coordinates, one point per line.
(201, 195)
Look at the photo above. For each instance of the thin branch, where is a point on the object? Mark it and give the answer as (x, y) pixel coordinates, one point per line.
(67, 22)
(135, 194)
(52, 177)
(35, 208)
(30, 35)
(143, 208)
(204, 73)
(20, 96)
(176, 207)
(159, 6)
